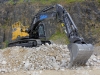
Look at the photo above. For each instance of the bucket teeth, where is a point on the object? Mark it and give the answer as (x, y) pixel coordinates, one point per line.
(79, 54)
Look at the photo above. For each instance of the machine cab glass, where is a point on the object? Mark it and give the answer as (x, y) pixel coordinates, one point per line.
(41, 31)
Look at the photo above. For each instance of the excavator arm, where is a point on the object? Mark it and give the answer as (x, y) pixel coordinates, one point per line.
(64, 18)
(80, 51)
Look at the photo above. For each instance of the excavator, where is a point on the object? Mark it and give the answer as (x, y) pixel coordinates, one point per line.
(80, 51)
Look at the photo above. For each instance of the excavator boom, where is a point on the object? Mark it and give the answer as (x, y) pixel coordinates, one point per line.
(80, 51)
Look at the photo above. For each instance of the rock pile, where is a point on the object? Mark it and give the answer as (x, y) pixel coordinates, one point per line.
(45, 57)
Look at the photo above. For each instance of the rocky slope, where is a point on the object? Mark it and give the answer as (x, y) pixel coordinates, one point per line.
(45, 57)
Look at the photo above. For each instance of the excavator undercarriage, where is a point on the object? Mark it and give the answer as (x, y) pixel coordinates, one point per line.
(80, 51)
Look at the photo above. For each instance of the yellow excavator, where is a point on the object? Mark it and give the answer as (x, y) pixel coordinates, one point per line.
(80, 51)
(16, 30)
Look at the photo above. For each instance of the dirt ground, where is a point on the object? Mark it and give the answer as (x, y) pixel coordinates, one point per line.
(53, 72)
(94, 70)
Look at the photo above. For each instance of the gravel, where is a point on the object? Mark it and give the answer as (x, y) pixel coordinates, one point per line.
(45, 57)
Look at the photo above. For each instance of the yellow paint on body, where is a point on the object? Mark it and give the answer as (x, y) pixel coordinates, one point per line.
(62, 24)
(16, 30)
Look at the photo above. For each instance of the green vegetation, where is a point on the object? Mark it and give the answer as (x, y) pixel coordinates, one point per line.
(95, 30)
(5, 44)
(46, 1)
(98, 1)
(11, 2)
(4, 26)
(59, 37)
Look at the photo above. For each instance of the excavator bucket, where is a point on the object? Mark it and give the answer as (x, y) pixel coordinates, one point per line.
(79, 54)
